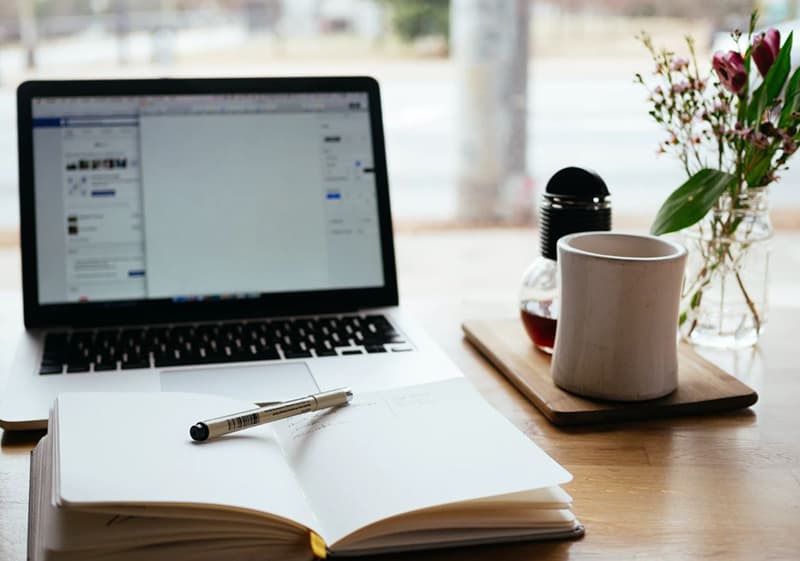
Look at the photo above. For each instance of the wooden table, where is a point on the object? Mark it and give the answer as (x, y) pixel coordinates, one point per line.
(722, 487)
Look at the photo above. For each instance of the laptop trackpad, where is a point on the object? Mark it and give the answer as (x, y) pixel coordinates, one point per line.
(256, 383)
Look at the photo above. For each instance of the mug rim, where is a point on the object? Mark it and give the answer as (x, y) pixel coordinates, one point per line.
(678, 251)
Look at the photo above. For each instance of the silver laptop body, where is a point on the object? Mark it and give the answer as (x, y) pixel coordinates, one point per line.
(227, 236)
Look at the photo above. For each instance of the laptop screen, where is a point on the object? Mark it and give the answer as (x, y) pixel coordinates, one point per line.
(203, 197)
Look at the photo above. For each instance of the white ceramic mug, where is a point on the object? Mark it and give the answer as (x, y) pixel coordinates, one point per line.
(616, 336)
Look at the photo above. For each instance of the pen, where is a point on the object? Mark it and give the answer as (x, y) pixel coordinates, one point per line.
(219, 426)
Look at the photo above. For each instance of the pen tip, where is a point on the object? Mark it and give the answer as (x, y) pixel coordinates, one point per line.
(349, 394)
(199, 432)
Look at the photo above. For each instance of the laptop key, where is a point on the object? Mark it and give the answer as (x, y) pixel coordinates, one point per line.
(166, 361)
(375, 349)
(252, 352)
(267, 354)
(55, 347)
(105, 366)
(51, 368)
(394, 338)
(77, 367)
(58, 337)
(136, 363)
(178, 358)
(52, 356)
(296, 354)
(104, 362)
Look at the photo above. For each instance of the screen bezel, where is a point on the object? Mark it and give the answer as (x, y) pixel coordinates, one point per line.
(85, 314)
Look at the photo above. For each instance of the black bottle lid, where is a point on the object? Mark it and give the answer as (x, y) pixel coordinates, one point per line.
(575, 200)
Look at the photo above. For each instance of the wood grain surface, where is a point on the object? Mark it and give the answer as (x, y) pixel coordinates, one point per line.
(722, 487)
(703, 387)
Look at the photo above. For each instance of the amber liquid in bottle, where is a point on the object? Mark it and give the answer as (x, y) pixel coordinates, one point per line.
(539, 319)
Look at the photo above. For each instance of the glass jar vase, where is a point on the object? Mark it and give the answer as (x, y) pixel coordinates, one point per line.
(724, 297)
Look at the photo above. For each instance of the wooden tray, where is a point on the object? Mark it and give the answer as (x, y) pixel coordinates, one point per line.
(702, 386)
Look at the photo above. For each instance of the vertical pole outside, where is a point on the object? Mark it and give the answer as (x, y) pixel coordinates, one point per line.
(28, 32)
(122, 26)
(490, 46)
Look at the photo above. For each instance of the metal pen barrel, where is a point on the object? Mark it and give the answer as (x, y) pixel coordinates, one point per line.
(219, 426)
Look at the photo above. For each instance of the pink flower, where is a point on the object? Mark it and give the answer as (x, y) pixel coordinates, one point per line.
(730, 69)
(679, 64)
(788, 145)
(680, 87)
(765, 49)
(758, 139)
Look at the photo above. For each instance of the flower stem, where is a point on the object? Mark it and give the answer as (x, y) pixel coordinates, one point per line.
(747, 299)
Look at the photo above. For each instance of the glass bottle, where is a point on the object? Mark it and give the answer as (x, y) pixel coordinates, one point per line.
(575, 200)
(539, 302)
(724, 297)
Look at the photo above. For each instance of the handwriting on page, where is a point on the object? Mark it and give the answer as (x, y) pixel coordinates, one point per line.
(411, 401)
(305, 425)
(373, 410)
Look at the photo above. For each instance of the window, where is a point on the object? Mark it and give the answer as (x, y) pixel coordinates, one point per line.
(483, 101)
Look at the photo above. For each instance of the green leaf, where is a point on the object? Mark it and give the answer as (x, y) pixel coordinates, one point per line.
(779, 71)
(792, 102)
(691, 201)
(758, 165)
(765, 94)
(757, 104)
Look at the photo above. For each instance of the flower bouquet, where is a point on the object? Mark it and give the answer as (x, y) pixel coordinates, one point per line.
(733, 129)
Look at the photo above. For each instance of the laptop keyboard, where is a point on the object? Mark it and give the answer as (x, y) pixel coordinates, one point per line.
(182, 345)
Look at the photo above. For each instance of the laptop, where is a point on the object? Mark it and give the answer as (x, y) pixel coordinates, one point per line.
(225, 236)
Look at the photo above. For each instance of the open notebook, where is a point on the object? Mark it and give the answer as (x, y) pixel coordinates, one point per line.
(426, 466)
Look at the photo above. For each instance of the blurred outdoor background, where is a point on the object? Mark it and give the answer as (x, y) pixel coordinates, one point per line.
(483, 100)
